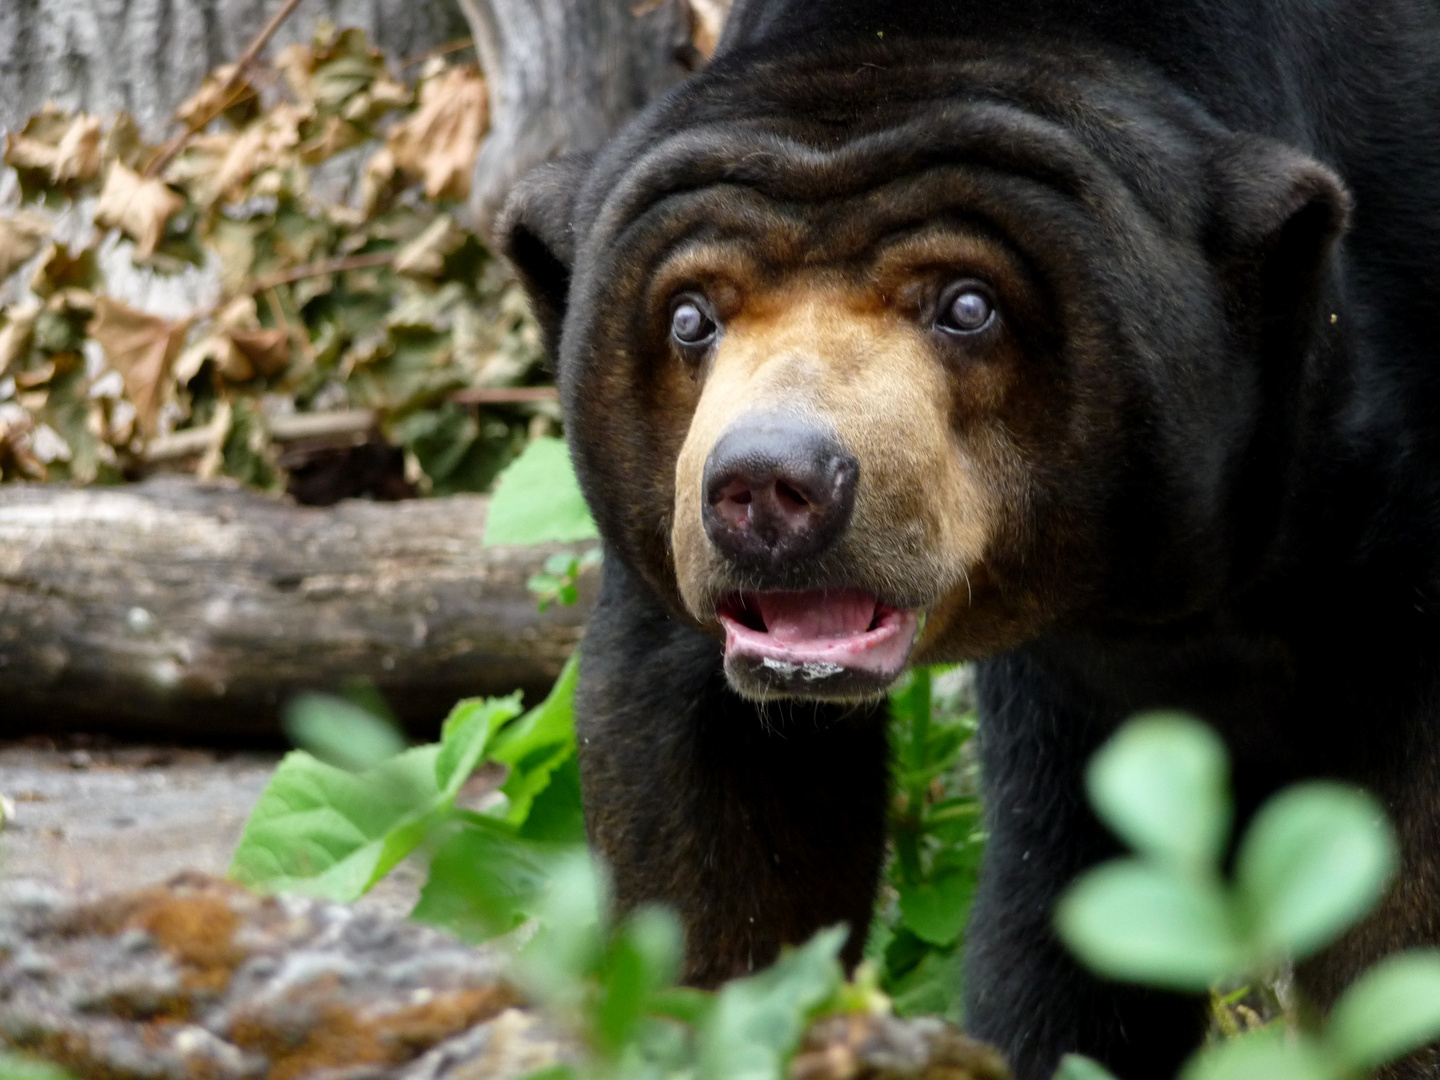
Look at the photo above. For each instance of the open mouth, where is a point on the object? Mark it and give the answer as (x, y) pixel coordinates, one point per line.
(816, 643)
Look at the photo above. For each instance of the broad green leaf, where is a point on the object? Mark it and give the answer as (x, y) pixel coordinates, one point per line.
(643, 959)
(484, 880)
(756, 1022)
(936, 910)
(567, 948)
(683, 1003)
(323, 831)
(1162, 784)
(1267, 1054)
(341, 733)
(929, 986)
(1075, 1067)
(557, 815)
(1316, 858)
(537, 744)
(466, 732)
(23, 1067)
(1392, 1009)
(1142, 923)
(538, 500)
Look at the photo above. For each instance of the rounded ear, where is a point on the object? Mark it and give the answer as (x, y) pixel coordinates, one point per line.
(536, 232)
(1280, 213)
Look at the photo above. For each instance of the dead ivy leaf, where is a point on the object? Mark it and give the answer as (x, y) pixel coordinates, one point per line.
(425, 255)
(335, 136)
(59, 270)
(138, 206)
(16, 333)
(64, 147)
(378, 180)
(143, 349)
(439, 142)
(268, 351)
(21, 237)
(126, 142)
(215, 96)
(218, 166)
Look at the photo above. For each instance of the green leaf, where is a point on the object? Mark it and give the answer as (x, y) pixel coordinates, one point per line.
(23, 1067)
(557, 815)
(322, 831)
(1261, 1055)
(1391, 1010)
(538, 500)
(1135, 921)
(467, 730)
(1316, 858)
(1162, 784)
(929, 986)
(567, 949)
(1075, 1067)
(644, 958)
(538, 743)
(936, 910)
(340, 733)
(484, 880)
(756, 1022)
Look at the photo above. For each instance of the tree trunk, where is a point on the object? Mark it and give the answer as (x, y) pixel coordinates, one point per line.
(147, 56)
(564, 75)
(173, 607)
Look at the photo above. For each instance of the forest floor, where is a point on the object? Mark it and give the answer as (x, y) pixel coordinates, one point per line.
(94, 817)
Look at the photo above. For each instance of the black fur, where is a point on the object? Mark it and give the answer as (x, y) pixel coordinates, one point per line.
(1252, 532)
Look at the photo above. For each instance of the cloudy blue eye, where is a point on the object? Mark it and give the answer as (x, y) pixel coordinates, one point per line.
(690, 326)
(966, 308)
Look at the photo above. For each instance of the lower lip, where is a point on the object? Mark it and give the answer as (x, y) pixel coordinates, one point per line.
(879, 653)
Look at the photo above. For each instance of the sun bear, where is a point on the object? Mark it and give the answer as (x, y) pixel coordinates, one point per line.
(1092, 341)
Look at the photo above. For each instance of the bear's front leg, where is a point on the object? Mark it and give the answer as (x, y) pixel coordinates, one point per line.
(759, 823)
(1023, 991)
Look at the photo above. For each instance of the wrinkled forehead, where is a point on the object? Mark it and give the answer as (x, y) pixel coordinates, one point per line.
(1095, 144)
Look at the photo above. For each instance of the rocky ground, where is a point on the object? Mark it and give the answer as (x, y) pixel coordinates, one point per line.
(125, 956)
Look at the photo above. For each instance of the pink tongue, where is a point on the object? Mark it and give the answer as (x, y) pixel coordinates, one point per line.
(810, 616)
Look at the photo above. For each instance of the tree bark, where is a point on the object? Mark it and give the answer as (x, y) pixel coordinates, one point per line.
(172, 607)
(148, 56)
(563, 76)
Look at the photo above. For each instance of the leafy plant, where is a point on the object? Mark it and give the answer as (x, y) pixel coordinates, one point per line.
(936, 844)
(319, 192)
(1313, 861)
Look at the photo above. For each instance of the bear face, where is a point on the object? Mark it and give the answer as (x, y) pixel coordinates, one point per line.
(865, 363)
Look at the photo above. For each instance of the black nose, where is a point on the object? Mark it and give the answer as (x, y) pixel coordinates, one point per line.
(777, 489)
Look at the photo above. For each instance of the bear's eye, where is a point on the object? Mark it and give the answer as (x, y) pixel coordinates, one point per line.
(690, 324)
(965, 308)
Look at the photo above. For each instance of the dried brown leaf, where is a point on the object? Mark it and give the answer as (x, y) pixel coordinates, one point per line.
(425, 255)
(139, 206)
(214, 96)
(143, 349)
(59, 271)
(21, 237)
(439, 142)
(63, 146)
(16, 333)
(268, 351)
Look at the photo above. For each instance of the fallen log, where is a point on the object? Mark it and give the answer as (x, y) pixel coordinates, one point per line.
(174, 607)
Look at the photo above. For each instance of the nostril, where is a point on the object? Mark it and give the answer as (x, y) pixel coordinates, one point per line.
(790, 499)
(733, 501)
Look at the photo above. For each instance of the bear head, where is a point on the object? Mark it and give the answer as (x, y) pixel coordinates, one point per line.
(907, 354)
